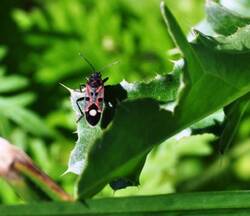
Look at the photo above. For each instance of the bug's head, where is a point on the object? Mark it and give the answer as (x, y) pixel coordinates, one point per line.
(95, 80)
(95, 76)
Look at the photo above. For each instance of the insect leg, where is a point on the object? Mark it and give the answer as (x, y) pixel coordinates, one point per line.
(79, 118)
(82, 86)
(77, 103)
(105, 80)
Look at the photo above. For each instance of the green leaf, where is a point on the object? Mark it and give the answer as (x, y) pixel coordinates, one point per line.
(224, 21)
(127, 134)
(22, 99)
(217, 117)
(211, 85)
(3, 51)
(190, 56)
(203, 203)
(86, 137)
(12, 83)
(162, 88)
(212, 80)
(232, 29)
(24, 118)
(241, 7)
(195, 144)
(234, 114)
(236, 42)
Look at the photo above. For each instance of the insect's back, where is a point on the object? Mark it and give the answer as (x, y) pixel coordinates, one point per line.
(94, 98)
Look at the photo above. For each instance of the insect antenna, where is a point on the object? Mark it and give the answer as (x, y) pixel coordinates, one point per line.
(85, 59)
(109, 65)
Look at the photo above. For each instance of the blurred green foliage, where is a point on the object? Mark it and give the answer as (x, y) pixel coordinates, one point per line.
(39, 46)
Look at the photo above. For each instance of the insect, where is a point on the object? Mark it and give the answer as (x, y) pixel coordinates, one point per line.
(93, 96)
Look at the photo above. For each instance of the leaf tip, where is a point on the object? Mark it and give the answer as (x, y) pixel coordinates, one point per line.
(66, 87)
(162, 5)
(162, 8)
(65, 173)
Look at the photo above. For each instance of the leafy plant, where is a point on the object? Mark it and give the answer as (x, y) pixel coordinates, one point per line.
(142, 120)
(13, 108)
(125, 143)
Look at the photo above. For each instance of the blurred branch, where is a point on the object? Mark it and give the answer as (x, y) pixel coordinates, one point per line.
(27, 180)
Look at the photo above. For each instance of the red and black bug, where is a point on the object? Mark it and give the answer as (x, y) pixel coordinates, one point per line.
(93, 97)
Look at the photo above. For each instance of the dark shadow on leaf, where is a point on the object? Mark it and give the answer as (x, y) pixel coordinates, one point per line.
(113, 95)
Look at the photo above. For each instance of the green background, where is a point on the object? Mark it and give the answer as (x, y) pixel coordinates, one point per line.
(39, 46)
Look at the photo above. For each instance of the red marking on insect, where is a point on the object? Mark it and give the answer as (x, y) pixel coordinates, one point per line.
(93, 97)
